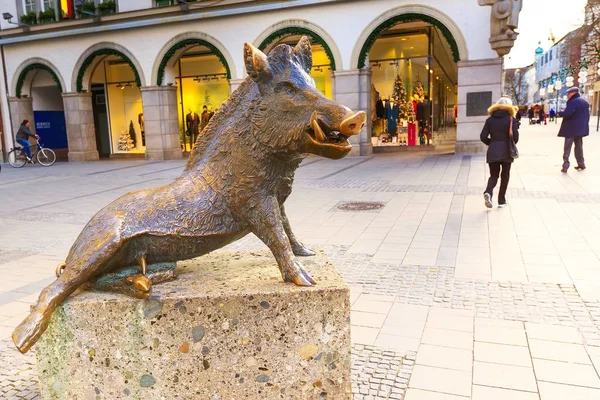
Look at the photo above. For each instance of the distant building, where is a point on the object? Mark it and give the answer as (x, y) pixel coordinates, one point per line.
(549, 64)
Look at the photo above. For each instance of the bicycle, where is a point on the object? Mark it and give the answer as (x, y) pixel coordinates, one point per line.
(43, 155)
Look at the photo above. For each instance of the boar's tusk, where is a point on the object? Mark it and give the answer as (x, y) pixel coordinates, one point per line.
(314, 124)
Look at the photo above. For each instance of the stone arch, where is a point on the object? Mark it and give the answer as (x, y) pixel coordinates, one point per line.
(82, 71)
(302, 27)
(408, 13)
(22, 77)
(175, 47)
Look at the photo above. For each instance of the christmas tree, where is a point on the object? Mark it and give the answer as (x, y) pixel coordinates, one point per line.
(207, 99)
(125, 142)
(404, 106)
(132, 133)
(418, 90)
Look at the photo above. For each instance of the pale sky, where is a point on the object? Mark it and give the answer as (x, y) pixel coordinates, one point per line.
(536, 20)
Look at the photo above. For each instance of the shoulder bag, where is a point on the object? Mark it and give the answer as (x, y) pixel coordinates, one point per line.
(514, 152)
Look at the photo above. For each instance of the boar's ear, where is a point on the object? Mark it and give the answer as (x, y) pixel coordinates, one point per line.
(303, 53)
(256, 61)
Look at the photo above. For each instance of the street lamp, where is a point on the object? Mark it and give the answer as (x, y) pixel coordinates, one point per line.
(557, 86)
(8, 18)
(570, 80)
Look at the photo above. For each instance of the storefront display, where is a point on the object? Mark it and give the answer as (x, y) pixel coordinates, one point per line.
(402, 101)
(202, 85)
(124, 104)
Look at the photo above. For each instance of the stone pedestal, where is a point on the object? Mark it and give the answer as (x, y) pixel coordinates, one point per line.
(161, 122)
(21, 109)
(81, 130)
(352, 88)
(226, 328)
(475, 76)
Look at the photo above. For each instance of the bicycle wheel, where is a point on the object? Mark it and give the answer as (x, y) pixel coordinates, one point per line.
(46, 157)
(16, 158)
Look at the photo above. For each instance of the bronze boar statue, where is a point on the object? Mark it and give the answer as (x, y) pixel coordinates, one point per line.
(236, 180)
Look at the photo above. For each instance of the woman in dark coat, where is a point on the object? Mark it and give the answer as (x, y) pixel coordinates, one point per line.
(495, 135)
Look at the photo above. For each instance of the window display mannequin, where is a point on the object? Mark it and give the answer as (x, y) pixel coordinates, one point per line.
(192, 122)
(392, 117)
(204, 117)
(142, 128)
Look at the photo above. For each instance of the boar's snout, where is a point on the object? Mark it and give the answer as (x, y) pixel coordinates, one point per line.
(353, 124)
(328, 135)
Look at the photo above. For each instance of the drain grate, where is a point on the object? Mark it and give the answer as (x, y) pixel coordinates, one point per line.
(360, 206)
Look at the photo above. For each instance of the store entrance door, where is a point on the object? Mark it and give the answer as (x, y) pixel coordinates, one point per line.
(101, 120)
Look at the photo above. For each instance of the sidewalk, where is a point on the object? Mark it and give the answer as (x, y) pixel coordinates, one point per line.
(450, 300)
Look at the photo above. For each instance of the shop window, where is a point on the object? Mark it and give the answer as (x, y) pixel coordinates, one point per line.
(202, 86)
(413, 93)
(124, 104)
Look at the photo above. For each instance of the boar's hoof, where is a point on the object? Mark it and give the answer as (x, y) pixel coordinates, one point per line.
(301, 251)
(142, 286)
(297, 275)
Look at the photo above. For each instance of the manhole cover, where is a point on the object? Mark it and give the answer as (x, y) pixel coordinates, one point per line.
(360, 206)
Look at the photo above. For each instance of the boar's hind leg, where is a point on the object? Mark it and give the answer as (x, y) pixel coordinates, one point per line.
(297, 247)
(267, 223)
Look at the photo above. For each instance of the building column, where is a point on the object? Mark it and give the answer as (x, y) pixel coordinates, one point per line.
(352, 88)
(161, 122)
(234, 84)
(21, 109)
(479, 86)
(81, 130)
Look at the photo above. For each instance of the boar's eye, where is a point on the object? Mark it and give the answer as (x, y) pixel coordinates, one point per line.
(286, 88)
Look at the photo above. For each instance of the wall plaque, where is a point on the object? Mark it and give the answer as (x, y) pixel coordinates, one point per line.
(478, 103)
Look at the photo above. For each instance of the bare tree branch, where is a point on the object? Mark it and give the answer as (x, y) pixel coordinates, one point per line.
(516, 86)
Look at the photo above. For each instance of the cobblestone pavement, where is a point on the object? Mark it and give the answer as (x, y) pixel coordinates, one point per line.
(449, 300)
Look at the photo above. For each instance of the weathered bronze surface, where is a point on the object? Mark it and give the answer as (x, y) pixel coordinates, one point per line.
(235, 182)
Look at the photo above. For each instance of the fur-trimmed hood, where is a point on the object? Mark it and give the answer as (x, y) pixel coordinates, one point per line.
(512, 110)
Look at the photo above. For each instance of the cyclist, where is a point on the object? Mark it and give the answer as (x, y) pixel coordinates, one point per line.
(23, 136)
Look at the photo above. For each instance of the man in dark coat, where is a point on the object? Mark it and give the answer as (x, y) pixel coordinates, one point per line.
(496, 135)
(575, 125)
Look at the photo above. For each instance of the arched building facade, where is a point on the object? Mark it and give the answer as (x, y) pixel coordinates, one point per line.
(145, 80)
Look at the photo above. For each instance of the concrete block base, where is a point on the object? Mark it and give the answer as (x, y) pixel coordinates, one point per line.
(226, 328)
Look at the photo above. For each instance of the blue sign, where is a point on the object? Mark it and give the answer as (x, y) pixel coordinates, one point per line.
(51, 127)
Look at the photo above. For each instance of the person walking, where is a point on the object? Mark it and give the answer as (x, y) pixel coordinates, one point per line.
(23, 135)
(530, 114)
(575, 125)
(496, 134)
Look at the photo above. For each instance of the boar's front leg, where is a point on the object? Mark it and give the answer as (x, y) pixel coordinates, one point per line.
(267, 224)
(297, 247)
